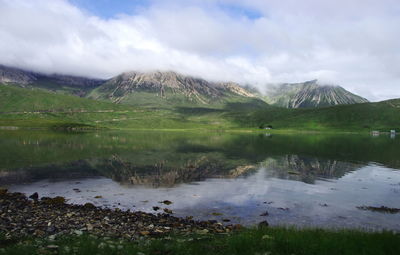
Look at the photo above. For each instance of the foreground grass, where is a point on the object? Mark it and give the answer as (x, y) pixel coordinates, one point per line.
(249, 241)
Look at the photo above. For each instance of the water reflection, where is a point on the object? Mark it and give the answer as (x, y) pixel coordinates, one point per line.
(299, 179)
(307, 169)
(165, 159)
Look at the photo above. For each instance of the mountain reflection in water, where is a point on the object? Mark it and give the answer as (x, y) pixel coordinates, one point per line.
(239, 175)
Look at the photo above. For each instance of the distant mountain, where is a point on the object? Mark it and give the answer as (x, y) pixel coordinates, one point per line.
(54, 82)
(310, 94)
(158, 88)
(134, 88)
(168, 89)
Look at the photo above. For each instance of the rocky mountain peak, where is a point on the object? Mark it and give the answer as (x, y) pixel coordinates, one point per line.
(166, 85)
(310, 94)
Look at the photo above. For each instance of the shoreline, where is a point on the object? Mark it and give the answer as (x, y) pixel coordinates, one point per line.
(64, 229)
(22, 216)
(217, 130)
(49, 226)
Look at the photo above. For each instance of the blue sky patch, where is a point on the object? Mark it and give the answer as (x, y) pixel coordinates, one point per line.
(240, 11)
(110, 8)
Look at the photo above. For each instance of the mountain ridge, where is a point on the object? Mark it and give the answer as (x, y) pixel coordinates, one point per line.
(75, 85)
(168, 86)
(310, 94)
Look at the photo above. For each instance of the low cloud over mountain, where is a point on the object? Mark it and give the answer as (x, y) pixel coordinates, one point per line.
(354, 44)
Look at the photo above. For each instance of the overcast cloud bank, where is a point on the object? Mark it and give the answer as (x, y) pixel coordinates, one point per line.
(351, 43)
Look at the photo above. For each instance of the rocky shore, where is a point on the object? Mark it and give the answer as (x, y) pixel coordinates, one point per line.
(41, 217)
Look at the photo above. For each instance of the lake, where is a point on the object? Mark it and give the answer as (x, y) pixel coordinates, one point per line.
(298, 179)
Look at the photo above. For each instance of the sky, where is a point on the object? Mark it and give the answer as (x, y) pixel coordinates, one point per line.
(354, 44)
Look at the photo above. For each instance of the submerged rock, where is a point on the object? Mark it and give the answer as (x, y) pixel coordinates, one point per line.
(34, 196)
(55, 200)
(166, 210)
(89, 206)
(263, 224)
(382, 209)
(167, 202)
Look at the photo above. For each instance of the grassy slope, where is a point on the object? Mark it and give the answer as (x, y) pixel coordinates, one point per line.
(358, 117)
(250, 241)
(14, 99)
(50, 85)
(39, 108)
(36, 107)
(233, 114)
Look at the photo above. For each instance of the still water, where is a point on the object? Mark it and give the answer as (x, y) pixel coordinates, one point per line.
(303, 179)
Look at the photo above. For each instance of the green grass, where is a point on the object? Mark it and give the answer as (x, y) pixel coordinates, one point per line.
(14, 99)
(274, 240)
(382, 116)
(42, 109)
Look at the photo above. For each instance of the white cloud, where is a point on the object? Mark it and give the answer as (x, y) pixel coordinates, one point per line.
(351, 43)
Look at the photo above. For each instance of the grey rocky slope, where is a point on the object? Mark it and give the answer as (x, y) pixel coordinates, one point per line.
(134, 87)
(55, 82)
(310, 94)
(17, 76)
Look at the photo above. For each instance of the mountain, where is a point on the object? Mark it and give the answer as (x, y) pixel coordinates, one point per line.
(54, 82)
(310, 94)
(170, 89)
(166, 88)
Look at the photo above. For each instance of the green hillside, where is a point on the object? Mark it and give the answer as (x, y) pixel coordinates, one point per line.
(39, 108)
(51, 85)
(30, 107)
(15, 99)
(357, 117)
(23, 107)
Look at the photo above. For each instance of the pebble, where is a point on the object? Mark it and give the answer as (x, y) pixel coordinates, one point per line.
(50, 217)
(52, 247)
(78, 232)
